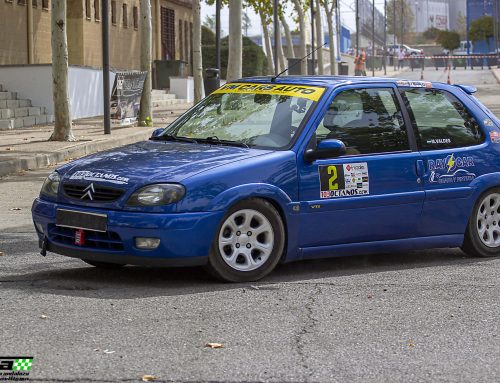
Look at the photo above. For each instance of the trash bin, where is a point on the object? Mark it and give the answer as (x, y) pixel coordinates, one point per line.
(211, 80)
(343, 68)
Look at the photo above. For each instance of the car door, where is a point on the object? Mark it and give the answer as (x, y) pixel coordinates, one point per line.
(372, 193)
(451, 143)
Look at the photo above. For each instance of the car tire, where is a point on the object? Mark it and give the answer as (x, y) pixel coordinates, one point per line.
(248, 243)
(104, 265)
(482, 237)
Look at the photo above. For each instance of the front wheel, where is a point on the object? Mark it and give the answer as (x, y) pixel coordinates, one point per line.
(482, 238)
(249, 242)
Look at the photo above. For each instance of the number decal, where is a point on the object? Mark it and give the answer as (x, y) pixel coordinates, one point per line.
(332, 185)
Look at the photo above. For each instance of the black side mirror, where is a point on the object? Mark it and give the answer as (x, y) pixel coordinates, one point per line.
(325, 149)
(157, 132)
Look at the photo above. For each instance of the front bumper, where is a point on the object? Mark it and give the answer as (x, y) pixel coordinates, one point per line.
(185, 238)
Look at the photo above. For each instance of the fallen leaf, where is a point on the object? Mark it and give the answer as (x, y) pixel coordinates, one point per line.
(411, 344)
(15, 208)
(148, 378)
(43, 316)
(370, 296)
(8, 148)
(255, 287)
(1, 253)
(109, 352)
(214, 345)
(97, 349)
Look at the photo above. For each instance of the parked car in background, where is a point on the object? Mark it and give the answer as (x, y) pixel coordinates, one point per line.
(411, 51)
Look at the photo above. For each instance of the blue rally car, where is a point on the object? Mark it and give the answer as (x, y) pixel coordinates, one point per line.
(268, 170)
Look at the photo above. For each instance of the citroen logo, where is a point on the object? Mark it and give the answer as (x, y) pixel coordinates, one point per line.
(88, 192)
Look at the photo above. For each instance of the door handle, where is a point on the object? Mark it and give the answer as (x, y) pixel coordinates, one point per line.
(420, 169)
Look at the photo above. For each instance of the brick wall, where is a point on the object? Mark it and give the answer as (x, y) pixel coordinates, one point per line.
(84, 33)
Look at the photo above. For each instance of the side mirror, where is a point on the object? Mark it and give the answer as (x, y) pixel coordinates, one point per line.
(325, 149)
(157, 132)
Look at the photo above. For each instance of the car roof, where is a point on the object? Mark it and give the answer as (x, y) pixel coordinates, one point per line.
(322, 80)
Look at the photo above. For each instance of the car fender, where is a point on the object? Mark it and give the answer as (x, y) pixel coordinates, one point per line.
(238, 193)
(481, 184)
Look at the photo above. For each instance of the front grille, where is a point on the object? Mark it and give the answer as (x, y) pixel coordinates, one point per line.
(99, 193)
(93, 239)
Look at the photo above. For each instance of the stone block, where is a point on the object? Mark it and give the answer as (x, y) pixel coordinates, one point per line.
(29, 121)
(34, 111)
(20, 112)
(3, 104)
(24, 103)
(42, 119)
(6, 113)
(6, 124)
(12, 104)
(18, 122)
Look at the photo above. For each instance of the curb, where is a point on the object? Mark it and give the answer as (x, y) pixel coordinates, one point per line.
(39, 161)
(496, 74)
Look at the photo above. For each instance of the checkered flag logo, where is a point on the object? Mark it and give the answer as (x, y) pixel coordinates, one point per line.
(22, 364)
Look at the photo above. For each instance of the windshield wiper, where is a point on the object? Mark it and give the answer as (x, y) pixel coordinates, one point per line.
(217, 140)
(170, 137)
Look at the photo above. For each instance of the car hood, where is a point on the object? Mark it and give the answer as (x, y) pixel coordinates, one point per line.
(150, 161)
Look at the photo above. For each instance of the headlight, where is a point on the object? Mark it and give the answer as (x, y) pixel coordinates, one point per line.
(159, 194)
(51, 185)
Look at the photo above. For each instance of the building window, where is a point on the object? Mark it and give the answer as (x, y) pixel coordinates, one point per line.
(88, 11)
(167, 33)
(21, 2)
(181, 43)
(97, 10)
(125, 15)
(113, 12)
(45, 4)
(136, 17)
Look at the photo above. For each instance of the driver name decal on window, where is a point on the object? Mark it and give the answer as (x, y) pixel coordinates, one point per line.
(313, 93)
(344, 180)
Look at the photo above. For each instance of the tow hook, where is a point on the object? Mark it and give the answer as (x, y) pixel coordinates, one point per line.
(43, 251)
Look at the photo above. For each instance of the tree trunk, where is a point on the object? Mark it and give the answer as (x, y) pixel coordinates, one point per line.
(146, 112)
(235, 41)
(289, 41)
(331, 37)
(267, 41)
(319, 37)
(197, 63)
(60, 92)
(281, 55)
(303, 32)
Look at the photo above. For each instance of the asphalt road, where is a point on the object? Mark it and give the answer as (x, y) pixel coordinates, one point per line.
(411, 317)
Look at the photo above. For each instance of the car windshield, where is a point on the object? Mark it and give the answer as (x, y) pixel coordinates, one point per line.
(253, 115)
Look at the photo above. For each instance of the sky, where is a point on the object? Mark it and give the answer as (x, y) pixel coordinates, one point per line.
(346, 11)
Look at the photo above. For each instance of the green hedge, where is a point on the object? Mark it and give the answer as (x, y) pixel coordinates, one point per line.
(254, 59)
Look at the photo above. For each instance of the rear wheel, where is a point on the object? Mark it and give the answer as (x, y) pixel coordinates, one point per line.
(104, 265)
(249, 242)
(482, 238)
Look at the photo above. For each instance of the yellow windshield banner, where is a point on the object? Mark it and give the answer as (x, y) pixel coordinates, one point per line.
(310, 92)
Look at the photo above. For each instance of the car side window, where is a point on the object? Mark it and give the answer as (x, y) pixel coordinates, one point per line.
(441, 120)
(366, 120)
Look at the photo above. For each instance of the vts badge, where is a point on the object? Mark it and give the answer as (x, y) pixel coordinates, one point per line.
(15, 368)
(451, 169)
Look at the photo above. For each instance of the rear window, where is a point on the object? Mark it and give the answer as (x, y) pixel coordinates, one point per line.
(441, 120)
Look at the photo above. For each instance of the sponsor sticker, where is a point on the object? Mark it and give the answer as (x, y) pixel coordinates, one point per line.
(15, 368)
(310, 92)
(451, 169)
(439, 141)
(495, 137)
(344, 180)
(488, 122)
(98, 176)
(414, 84)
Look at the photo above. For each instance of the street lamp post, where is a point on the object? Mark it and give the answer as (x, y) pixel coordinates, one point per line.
(217, 35)
(105, 65)
(385, 38)
(357, 28)
(312, 37)
(373, 38)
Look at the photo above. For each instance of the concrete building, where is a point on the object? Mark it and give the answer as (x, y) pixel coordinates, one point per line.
(25, 32)
(458, 9)
(477, 9)
(431, 13)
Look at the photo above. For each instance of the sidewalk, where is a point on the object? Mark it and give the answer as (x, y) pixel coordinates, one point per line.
(28, 149)
(496, 73)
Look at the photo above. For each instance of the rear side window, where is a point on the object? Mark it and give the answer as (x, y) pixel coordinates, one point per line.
(441, 120)
(367, 121)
